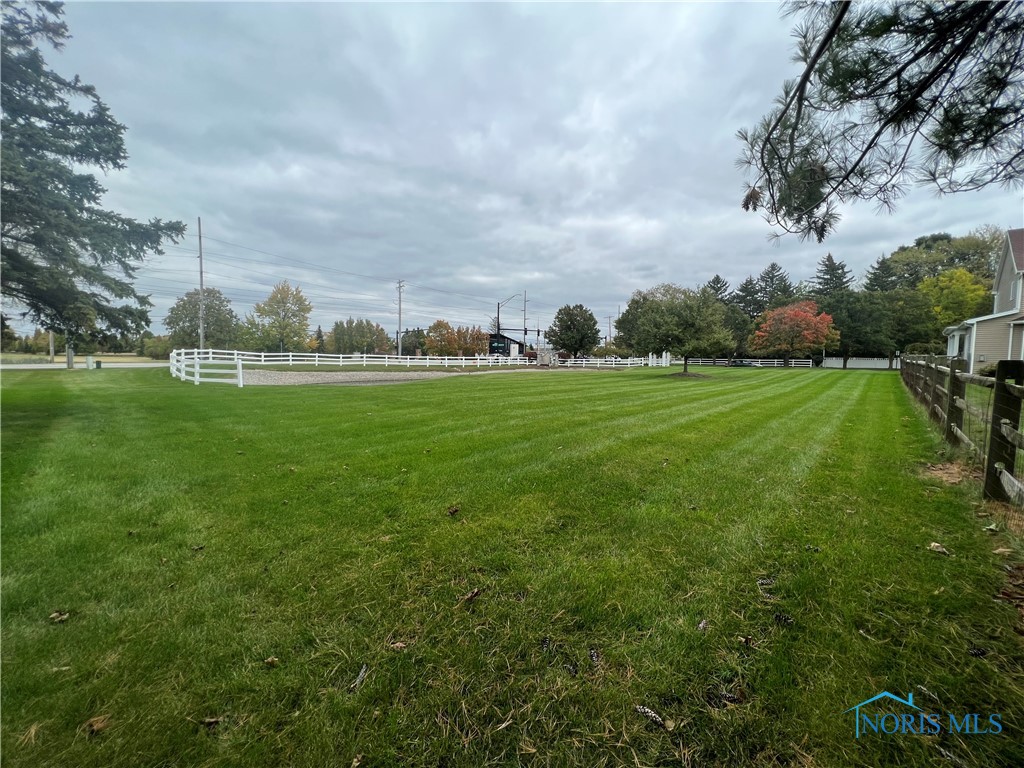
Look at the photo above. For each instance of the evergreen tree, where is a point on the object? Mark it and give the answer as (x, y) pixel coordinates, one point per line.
(775, 287)
(320, 346)
(719, 287)
(881, 276)
(64, 259)
(832, 277)
(748, 298)
(892, 93)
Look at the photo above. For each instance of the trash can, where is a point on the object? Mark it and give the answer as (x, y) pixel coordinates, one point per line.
(99, 364)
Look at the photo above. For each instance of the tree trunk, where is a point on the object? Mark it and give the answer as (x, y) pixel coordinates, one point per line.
(686, 362)
(785, 360)
(846, 359)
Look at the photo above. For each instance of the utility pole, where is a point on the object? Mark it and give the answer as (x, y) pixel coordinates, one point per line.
(608, 338)
(51, 346)
(401, 287)
(202, 291)
(524, 321)
(500, 305)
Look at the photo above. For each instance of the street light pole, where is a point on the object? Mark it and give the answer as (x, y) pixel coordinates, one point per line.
(500, 305)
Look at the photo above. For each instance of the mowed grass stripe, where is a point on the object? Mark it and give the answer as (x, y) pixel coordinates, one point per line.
(649, 519)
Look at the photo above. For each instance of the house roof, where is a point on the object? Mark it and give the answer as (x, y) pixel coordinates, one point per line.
(980, 319)
(1016, 238)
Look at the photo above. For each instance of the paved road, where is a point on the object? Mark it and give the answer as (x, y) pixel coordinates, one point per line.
(62, 366)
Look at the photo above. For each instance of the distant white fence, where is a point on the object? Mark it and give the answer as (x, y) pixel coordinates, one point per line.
(219, 366)
(604, 362)
(875, 363)
(755, 362)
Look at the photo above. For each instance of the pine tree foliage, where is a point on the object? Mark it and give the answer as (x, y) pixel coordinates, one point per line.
(892, 93)
(832, 277)
(775, 287)
(67, 263)
(719, 287)
(747, 297)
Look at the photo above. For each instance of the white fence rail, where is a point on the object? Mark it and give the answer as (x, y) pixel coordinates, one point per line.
(752, 362)
(220, 366)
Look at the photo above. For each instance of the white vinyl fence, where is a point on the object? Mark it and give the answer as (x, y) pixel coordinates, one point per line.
(221, 366)
(757, 363)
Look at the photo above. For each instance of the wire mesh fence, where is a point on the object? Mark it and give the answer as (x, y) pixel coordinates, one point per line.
(982, 414)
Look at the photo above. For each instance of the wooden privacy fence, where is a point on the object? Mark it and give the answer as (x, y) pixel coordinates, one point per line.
(978, 412)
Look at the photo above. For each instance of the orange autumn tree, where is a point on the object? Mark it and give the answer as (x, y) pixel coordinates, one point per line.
(793, 330)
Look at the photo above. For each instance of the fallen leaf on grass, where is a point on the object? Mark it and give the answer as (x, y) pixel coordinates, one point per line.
(453, 510)
(198, 547)
(211, 722)
(703, 626)
(993, 528)
(59, 617)
(357, 761)
(936, 547)
(398, 646)
(470, 596)
(1003, 551)
(97, 724)
(272, 661)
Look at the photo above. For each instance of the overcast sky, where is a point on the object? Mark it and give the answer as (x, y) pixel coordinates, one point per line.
(571, 152)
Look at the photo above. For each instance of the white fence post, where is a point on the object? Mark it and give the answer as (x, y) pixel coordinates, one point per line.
(238, 370)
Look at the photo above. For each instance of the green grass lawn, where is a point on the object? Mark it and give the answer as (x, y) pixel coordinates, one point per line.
(518, 561)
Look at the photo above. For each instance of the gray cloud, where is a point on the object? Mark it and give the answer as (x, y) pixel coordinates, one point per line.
(577, 152)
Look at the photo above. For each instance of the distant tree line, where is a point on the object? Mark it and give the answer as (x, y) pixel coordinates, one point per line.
(904, 302)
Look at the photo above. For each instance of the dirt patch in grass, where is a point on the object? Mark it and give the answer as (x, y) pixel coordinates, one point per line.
(951, 472)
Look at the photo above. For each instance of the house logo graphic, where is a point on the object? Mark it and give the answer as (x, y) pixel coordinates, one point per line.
(905, 717)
